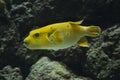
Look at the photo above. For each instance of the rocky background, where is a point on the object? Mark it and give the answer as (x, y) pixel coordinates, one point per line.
(101, 61)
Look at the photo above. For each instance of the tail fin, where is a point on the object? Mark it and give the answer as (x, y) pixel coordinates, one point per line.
(93, 31)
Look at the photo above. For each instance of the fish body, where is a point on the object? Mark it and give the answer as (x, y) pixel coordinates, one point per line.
(60, 36)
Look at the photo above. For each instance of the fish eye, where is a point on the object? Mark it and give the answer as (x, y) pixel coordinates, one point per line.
(36, 35)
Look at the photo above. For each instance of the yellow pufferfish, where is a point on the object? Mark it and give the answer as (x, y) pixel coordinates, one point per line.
(60, 36)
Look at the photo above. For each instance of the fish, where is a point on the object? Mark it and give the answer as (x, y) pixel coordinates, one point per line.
(61, 35)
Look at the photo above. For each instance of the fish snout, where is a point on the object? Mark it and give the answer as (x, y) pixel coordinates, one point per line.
(25, 42)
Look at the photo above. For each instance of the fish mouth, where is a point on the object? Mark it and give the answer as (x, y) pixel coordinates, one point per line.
(33, 47)
(26, 44)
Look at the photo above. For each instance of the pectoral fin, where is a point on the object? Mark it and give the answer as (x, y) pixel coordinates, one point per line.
(83, 42)
(56, 37)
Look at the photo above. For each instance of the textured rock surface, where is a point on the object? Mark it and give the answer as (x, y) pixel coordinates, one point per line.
(103, 58)
(9, 73)
(45, 69)
(4, 13)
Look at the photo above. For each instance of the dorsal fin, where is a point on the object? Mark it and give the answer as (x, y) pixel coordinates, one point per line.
(77, 22)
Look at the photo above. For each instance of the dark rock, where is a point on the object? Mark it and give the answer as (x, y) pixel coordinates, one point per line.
(9, 73)
(4, 13)
(3, 8)
(9, 40)
(23, 17)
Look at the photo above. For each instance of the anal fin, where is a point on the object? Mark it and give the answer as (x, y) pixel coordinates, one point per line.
(83, 42)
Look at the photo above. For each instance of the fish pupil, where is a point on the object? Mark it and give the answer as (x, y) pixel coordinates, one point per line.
(36, 34)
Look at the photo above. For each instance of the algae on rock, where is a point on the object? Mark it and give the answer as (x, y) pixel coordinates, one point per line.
(9, 73)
